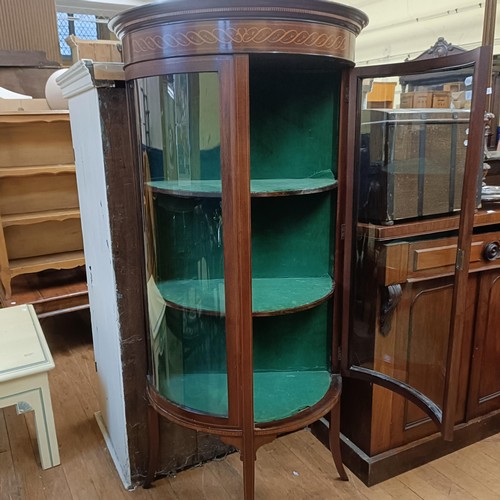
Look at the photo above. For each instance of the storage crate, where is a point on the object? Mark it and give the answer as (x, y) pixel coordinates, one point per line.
(96, 50)
(412, 163)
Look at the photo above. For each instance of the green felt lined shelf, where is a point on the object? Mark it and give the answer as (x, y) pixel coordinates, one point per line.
(269, 295)
(277, 395)
(258, 187)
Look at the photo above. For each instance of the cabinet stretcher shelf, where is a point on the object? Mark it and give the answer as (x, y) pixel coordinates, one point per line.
(64, 260)
(277, 395)
(36, 217)
(258, 187)
(270, 296)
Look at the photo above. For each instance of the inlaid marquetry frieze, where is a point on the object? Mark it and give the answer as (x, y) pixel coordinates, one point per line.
(230, 36)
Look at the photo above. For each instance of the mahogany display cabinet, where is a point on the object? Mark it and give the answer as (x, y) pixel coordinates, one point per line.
(249, 137)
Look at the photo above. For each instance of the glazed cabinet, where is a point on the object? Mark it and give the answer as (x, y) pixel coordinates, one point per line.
(238, 112)
(289, 193)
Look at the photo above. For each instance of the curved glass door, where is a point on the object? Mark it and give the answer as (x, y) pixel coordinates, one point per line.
(293, 152)
(180, 129)
(418, 150)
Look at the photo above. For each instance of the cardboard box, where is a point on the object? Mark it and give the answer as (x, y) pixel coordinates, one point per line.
(97, 50)
(422, 100)
(441, 99)
(406, 100)
(458, 99)
(452, 87)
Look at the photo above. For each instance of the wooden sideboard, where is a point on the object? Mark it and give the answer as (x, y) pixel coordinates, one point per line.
(408, 288)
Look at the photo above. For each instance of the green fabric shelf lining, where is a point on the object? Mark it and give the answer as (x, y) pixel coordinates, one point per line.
(277, 394)
(258, 187)
(269, 295)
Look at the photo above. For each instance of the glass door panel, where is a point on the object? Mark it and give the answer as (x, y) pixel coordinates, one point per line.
(415, 126)
(180, 128)
(293, 168)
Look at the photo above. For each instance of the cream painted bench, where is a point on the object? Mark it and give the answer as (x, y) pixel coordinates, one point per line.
(25, 360)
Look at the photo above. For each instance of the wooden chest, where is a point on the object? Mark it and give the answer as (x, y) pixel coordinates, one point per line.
(411, 163)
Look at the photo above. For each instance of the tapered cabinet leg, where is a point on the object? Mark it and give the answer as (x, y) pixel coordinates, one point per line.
(248, 475)
(154, 445)
(334, 441)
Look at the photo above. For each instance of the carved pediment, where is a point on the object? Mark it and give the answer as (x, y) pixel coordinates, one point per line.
(440, 49)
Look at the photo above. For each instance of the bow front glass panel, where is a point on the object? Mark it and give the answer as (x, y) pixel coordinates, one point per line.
(180, 129)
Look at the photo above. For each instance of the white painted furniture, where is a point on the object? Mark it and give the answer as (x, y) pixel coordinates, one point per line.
(25, 360)
(81, 85)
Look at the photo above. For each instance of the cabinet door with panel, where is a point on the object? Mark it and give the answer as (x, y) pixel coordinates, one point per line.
(484, 392)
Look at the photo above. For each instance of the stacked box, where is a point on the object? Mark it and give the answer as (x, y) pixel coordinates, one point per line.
(411, 163)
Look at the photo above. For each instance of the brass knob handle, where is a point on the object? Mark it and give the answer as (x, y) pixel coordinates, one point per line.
(492, 251)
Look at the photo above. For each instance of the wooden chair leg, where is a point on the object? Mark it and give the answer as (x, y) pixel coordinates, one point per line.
(334, 440)
(154, 446)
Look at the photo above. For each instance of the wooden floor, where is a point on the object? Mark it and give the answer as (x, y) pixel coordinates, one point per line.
(293, 467)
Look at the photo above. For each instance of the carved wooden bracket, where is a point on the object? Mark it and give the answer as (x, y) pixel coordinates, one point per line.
(391, 296)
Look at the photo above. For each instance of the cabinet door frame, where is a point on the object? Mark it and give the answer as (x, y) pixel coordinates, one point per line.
(235, 150)
(478, 59)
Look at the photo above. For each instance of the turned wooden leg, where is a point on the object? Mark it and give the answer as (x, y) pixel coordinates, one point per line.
(154, 445)
(334, 439)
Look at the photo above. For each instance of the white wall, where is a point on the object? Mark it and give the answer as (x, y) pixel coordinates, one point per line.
(399, 29)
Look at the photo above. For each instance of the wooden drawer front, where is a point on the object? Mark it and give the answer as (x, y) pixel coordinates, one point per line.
(432, 258)
(428, 259)
(423, 260)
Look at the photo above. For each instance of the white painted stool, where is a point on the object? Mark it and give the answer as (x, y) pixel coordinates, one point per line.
(25, 360)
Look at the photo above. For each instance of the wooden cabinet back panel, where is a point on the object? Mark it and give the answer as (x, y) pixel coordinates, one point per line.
(36, 144)
(38, 192)
(43, 239)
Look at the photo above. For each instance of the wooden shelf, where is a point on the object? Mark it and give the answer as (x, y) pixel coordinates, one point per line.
(37, 217)
(270, 296)
(36, 170)
(277, 394)
(46, 116)
(65, 260)
(258, 187)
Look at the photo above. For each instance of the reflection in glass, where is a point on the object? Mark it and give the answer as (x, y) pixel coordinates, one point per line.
(412, 148)
(180, 129)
